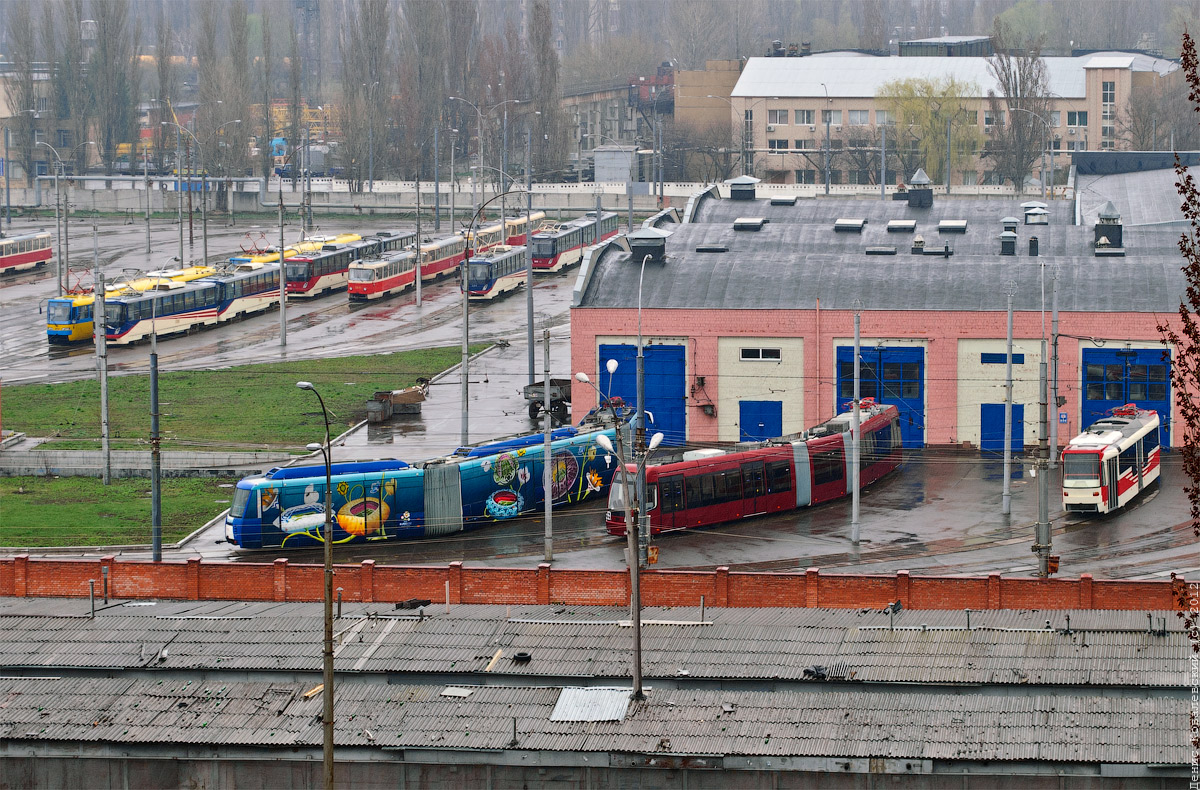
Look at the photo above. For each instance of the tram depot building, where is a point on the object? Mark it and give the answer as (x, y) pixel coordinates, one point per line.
(747, 315)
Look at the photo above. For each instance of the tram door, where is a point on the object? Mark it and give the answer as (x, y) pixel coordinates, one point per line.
(1112, 472)
(753, 488)
(893, 376)
(1114, 377)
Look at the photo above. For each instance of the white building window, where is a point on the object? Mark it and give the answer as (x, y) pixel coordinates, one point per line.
(990, 118)
(1056, 118)
(805, 117)
(777, 146)
(883, 118)
(761, 355)
(859, 117)
(831, 116)
(777, 117)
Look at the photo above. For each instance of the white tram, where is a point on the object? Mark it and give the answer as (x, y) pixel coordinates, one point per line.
(1112, 461)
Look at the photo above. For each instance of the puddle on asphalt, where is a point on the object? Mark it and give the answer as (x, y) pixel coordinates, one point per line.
(397, 428)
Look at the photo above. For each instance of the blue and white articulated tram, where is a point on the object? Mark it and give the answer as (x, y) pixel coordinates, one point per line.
(496, 271)
(392, 500)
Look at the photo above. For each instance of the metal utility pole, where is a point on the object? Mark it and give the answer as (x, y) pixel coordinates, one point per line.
(1054, 366)
(596, 225)
(828, 120)
(191, 173)
(282, 275)
(155, 454)
(146, 183)
(102, 367)
(453, 183)
(7, 195)
(58, 254)
(1041, 540)
(547, 456)
(417, 275)
(883, 161)
(437, 186)
(529, 251)
(1006, 495)
(948, 156)
(179, 186)
(639, 445)
(855, 424)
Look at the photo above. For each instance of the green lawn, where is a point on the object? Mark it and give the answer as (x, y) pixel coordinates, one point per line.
(251, 407)
(81, 511)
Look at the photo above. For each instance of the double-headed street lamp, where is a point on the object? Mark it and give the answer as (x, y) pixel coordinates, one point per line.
(632, 521)
(64, 235)
(327, 662)
(203, 182)
(479, 112)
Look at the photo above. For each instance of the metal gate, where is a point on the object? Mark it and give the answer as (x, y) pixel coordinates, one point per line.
(889, 375)
(991, 427)
(759, 420)
(1114, 377)
(666, 394)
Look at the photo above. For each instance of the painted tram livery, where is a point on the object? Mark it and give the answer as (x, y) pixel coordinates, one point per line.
(26, 251)
(714, 486)
(561, 245)
(1111, 462)
(390, 500)
(496, 272)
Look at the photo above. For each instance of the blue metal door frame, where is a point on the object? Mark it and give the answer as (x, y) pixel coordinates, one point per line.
(759, 420)
(666, 382)
(894, 376)
(1115, 376)
(991, 427)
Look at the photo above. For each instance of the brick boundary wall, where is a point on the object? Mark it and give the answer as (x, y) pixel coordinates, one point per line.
(23, 576)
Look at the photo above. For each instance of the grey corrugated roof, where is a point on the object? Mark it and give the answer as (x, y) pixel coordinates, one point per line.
(1006, 648)
(1066, 729)
(862, 77)
(798, 259)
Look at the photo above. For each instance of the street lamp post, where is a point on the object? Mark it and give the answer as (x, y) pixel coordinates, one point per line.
(480, 112)
(64, 259)
(632, 522)
(828, 119)
(371, 137)
(203, 181)
(327, 662)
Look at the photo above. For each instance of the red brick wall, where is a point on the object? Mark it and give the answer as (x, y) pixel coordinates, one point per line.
(25, 576)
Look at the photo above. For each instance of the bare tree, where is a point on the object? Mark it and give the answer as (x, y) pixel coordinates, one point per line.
(24, 85)
(167, 87)
(423, 75)
(229, 148)
(1016, 131)
(265, 77)
(114, 79)
(550, 140)
(701, 153)
(295, 83)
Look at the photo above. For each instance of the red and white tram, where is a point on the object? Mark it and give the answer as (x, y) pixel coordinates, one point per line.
(713, 486)
(441, 257)
(516, 228)
(559, 246)
(24, 252)
(374, 278)
(310, 275)
(1112, 461)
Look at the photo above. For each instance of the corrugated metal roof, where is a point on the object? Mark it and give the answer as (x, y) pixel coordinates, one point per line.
(591, 704)
(863, 77)
(1068, 729)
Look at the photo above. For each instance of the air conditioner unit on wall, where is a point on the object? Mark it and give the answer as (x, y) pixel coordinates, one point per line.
(812, 128)
(1070, 131)
(770, 128)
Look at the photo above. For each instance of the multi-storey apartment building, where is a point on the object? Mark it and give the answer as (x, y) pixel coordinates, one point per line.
(788, 112)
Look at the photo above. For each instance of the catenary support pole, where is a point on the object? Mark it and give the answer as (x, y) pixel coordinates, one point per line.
(855, 425)
(547, 456)
(1006, 495)
(1054, 361)
(437, 185)
(417, 278)
(102, 369)
(529, 251)
(883, 161)
(1042, 533)
(155, 449)
(282, 274)
(146, 181)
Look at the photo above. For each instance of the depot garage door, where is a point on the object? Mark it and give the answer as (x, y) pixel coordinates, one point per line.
(665, 385)
(1114, 377)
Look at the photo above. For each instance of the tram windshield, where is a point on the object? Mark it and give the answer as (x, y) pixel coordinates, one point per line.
(362, 274)
(59, 311)
(297, 272)
(241, 497)
(616, 491)
(479, 276)
(543, 248)
(1081, 470)
(114, 313)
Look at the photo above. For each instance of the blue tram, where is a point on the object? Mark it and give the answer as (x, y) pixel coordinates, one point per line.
(389, 500)
(495, 272)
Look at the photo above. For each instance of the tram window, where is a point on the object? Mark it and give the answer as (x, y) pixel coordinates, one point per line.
(752, 480)
(727, 486)
(827, 467)
(1149, 443)
(779, 477)
(1128, 457)
(692, 490)
(1081, 466)
(866, 450)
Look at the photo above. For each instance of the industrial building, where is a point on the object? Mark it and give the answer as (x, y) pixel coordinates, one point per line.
(747, 310)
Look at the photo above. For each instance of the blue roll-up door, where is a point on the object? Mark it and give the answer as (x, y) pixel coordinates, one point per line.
(1114, 377)
(759, 420)
(666, 385)
(991, 427)
(889, 375)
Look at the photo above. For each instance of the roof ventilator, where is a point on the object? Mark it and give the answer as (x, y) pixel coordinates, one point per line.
(712, 248)
(1108, 233)
(1010, 223)
(742, 187)
(749, 223)
(881, 249)
(920, 190)
(1008, 243)
(783, 200)
(902, 226)
(849, 225)
(952, 226)
(650, 242)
